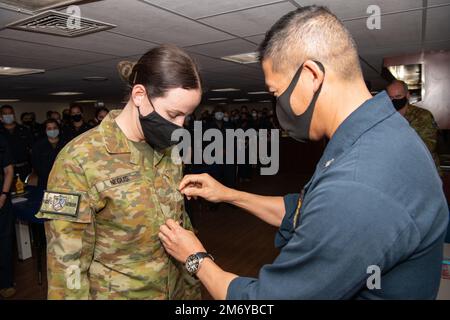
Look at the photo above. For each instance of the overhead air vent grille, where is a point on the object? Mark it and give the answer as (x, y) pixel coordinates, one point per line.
(35, 5)
(60, 24)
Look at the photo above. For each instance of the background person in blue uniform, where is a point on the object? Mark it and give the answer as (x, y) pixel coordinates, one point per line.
(375, 198)
(6, 221)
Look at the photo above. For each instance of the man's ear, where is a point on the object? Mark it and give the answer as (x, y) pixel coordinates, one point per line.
(316, 72)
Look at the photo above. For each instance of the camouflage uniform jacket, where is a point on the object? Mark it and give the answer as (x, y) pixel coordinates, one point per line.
(107, 197)
(422, 121)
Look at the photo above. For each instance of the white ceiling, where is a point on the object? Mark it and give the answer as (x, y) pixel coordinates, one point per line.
(208, 29)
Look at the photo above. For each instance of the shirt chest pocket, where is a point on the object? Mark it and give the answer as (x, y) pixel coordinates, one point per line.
(170, 199)
(127, 198)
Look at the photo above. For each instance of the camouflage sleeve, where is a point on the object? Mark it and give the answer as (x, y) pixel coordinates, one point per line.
(428, 131)
(70, 230)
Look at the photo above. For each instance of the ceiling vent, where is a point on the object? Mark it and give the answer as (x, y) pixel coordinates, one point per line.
(60, 24)
(30, 6)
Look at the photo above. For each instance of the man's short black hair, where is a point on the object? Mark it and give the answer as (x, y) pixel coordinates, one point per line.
(76, 106)
(6, 106)
(311, 33)
(46, 122)
(97, 112)
(23, 115)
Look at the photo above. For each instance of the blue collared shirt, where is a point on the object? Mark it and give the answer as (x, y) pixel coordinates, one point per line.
(374, 201)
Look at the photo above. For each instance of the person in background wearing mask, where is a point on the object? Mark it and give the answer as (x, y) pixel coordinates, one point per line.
(227, 122)
(375, 201)
(254, 120)
(77, 125)
(216, 170)
(20, 140)
(7, 289)
(29, 122)
(121, 177)
(230, 169)
(55, 115)
(48, 114)
(244, 110)
(45, 151)
(65, 118)
(235, 118)
(244, 170)
(100, 114)
(421, 120)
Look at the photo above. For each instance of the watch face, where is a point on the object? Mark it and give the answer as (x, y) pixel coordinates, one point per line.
(192, 264)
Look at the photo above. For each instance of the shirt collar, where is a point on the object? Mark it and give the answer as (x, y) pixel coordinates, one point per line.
(365, 117)
(116, 142)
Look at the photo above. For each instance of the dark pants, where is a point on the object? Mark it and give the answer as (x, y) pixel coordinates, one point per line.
(6, 244)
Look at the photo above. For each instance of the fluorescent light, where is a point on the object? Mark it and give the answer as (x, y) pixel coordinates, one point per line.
(86, 101)
(9, 100)
(11, 71)
(95, 78)
(241, 100)
(217, 99)
(65, 93)
(258, 92)
(265, 101)
(225, 90)
(243, 58)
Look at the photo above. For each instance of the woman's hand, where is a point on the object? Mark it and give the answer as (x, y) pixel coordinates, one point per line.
(205, 186)
(178, 242)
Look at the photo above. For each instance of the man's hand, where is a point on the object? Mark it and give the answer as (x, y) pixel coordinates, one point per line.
(178, 242)
(205, 186)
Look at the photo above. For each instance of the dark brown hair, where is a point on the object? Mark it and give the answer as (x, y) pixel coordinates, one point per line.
(46, 122)
(165, 67)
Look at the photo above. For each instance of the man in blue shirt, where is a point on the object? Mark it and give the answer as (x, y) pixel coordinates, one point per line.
(370, 224)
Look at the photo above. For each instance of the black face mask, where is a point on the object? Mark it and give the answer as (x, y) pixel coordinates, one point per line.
(157, 130)
(399, 103)
(296, 126)
(76, 117)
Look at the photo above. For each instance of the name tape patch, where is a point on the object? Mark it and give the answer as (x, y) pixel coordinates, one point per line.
(117, 181)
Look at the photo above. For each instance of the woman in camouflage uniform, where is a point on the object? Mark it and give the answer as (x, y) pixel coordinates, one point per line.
(113, 187)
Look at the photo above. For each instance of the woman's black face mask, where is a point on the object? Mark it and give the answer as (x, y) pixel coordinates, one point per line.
(157, 130)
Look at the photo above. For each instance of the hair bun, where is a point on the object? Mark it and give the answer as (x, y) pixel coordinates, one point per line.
(125, 69)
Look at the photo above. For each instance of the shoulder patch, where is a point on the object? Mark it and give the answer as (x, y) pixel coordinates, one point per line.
(59, 203)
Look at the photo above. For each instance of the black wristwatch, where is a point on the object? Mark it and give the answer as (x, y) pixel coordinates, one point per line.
(6, 193)
(194, 261)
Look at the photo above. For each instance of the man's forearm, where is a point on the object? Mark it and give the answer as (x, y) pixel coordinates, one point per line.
(269, 209)
(215, 279)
